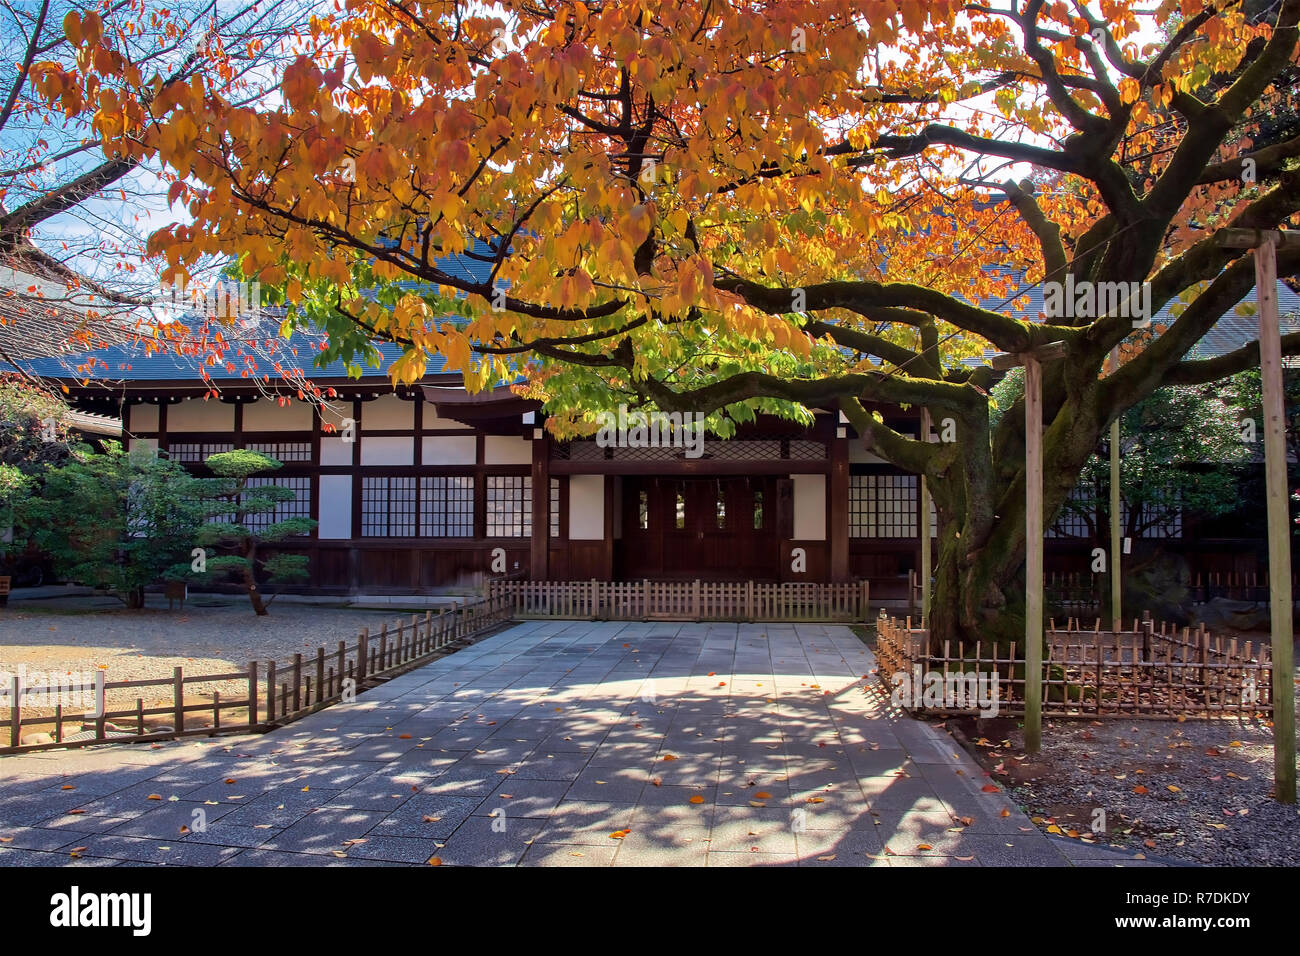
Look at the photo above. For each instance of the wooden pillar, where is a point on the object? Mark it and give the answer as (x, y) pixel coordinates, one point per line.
(1279, 521)
(539, 547)
(608, 485)
(839, 506)
(927, 554)
(1116, 516)
(1033, 554)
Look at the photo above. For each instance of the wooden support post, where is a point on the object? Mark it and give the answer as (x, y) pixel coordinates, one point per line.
(1116, 516)
(838, 532)
(320, 676)
(926, 555)
(15, 710)
(178, 699)
(1279, 521)
(252, 694)
(270, 691)
(1033, 554)
(540, 540)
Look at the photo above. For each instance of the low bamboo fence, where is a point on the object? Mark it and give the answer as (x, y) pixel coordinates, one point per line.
(273, 693)
(684, 600)
(1149, 672)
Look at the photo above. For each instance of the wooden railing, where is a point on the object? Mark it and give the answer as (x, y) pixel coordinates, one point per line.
(685, 600)
(264, 696)
(1146, 672)
(1070, 592)
(1238, 586)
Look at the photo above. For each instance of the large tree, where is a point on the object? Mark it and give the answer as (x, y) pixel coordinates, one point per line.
(772, 205)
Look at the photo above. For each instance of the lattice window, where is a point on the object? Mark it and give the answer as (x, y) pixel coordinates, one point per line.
(1072, 522)
(194, 452)
(298, 507)
(1157, 519)
(883, 506)
(807, 451)
(447, 506)
(297, 451)
(554, 515)
(509, 506)
(388, 507)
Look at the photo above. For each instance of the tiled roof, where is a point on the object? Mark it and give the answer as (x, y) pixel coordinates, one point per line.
(1230, 333)
(262, 342)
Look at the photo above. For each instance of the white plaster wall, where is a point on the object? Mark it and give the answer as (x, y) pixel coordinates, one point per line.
(387, 411)
(265, 415)
(387, 450)
(334, 414)
(586, 507)
(196, 415)
(142, 418)
(507, 450)
(335, 506)
(809, 507)
(448, 449)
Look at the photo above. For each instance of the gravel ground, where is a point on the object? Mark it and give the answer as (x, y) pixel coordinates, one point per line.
(212, 635)
(1195, 791)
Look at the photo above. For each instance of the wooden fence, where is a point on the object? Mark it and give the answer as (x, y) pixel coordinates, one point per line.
(1146, 672)
(1070, 592)
(684, 600)
(1076, 593)
(269, 694)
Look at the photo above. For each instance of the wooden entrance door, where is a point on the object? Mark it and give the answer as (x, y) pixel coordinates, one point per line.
(709, 528)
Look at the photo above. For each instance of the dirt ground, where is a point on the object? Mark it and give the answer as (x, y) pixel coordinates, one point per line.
(1197, 791)
(212, 635)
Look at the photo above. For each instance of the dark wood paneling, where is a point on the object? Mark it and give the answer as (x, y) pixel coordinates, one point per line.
(588, 559)
(818, 557)
(700, 548)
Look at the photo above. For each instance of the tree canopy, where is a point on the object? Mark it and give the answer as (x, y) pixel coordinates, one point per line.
(764, 206)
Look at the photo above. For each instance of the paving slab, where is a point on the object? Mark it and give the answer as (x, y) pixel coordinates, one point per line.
(555, 743)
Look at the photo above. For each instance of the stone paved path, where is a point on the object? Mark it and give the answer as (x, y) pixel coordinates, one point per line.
(707, 744)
